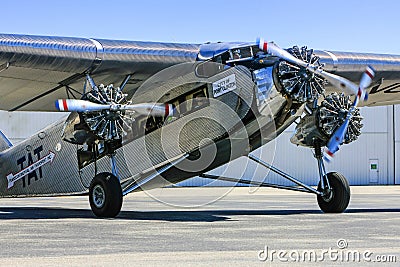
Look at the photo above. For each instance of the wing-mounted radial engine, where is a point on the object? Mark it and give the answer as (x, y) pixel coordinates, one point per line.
(101, 118)
(97, 121)
(320, 122)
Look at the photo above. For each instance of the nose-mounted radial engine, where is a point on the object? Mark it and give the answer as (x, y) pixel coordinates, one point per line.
(297, 82)
(301, 85)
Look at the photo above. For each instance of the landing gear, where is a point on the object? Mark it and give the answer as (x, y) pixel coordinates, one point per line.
(334, 196)
(333, 191)
(105, 195)
(337, 198)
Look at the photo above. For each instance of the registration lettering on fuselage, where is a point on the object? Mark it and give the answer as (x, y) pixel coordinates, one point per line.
(224, 85)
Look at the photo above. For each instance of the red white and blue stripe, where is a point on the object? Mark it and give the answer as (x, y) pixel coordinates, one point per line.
(150, 109)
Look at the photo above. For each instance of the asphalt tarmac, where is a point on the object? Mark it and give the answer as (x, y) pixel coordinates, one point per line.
(237, 228)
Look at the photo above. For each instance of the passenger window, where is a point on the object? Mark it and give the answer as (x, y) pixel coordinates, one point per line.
(183, 105)
(199, 100)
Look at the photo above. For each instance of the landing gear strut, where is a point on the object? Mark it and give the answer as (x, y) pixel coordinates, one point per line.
(334, 187)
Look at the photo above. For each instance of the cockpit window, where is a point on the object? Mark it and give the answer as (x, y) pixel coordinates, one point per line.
(210, 68)
(264, 81)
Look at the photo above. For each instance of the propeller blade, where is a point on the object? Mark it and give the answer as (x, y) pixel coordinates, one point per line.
(153, 109)
(150, 109)
(79, 105)
(365, 81)
(337, 138)
(337, 81)
(274, 50)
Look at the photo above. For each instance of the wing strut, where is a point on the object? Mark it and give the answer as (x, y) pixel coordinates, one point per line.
(125, 81)
(135, 184)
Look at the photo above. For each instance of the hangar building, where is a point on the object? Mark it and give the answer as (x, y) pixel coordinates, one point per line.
(374, 159)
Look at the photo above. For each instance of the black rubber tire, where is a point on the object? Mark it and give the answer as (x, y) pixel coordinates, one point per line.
(340, 194)
(107, 185)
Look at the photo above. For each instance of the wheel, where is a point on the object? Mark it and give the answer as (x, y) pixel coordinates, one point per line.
(339, 197)
(105, 195)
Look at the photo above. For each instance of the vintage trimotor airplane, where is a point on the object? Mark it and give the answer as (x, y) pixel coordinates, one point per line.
(180, 111)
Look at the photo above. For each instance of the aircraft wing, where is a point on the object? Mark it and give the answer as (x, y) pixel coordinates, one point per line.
(37, 70)
(385, 88)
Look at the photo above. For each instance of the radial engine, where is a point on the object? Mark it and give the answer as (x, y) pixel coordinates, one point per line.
(323, 113)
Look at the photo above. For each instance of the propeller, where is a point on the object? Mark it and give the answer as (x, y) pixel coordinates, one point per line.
(152, 109)
(337, 81)
(337, 138)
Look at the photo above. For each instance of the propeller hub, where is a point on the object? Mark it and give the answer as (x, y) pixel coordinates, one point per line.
(342, 114)
(333, 112)
(108, 124)
(298, 82)
(305, 75)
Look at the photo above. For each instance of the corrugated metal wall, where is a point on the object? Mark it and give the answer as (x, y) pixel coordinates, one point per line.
(354, 160)
(20, 125)
(380, 141)
(397, 143)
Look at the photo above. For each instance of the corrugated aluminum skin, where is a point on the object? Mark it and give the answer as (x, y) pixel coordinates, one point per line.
(41, 66)
(76, 55)
(50, 53)
(356, 62)
(176, 138)
(351, 65)
(128, 54)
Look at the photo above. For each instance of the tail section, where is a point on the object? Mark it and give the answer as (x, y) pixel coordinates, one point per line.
(4, 142)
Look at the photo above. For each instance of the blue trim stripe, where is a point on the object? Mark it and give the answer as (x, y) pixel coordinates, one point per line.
(57, 106)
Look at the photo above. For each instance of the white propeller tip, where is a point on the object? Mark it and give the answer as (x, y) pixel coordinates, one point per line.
(365, 81)
(262, 44)
(370, 72)
(328, 155)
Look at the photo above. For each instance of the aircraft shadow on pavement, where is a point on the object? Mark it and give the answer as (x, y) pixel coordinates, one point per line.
(174, 215)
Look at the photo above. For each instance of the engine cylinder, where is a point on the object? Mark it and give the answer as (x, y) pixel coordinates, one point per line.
(319, 124)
